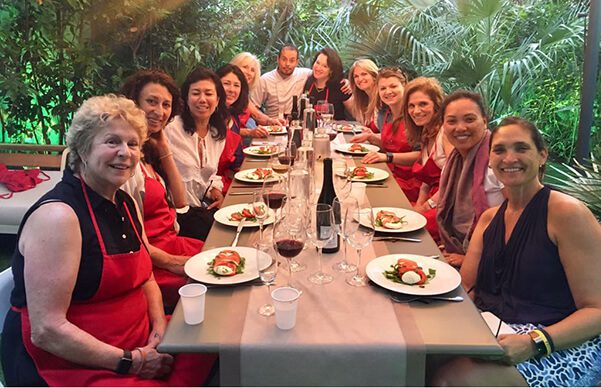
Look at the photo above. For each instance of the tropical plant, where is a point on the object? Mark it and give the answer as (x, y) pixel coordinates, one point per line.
(582, 181)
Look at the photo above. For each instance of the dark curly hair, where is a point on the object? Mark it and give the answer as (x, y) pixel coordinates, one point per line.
(218, 119)
(135, 83)
(242, 102)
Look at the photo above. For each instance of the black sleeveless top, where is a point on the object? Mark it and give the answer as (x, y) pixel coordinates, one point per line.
(523, 281)
(114, 224)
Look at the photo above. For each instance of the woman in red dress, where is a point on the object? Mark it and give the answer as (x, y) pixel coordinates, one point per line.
(397, 151)
(157, 185)
(86, 310)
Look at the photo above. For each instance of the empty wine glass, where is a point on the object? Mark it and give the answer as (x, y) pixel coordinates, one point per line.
(360, 228)
(321, 231)
(260, 209)
(289, 237)
(340, 208)
(327, 114)
(267, 272)
(342, 181)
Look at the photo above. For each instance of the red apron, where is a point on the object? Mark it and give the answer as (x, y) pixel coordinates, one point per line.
(429, 173)
(159, 220)
(396, 143)
(117, 314)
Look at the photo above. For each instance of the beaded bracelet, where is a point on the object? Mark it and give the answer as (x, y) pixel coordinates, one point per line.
(143, 360)
(165, 156)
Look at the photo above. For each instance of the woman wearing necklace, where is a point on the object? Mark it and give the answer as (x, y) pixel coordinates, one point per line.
(202, 145)
(325, 81)
(397, 152)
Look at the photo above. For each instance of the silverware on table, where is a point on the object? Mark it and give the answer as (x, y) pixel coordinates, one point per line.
(396, 239)
(238, 231)
(241, 193)
(377, 186)
(424, 299)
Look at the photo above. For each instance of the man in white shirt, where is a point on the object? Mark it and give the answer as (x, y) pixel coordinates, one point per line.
(276, 88)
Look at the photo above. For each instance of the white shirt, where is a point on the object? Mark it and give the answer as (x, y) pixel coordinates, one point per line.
(492, 188)
(276, 92)
(197, 174)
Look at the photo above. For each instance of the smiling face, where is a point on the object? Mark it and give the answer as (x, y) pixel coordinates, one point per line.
(232, 86)
(464, 124)
(156, 101)
(202, 99)
(391, 91)
(363, 79)
(249, 70)
(321, 69)
(287, 62)
(113, 156)
(420, 108)
(514, 157)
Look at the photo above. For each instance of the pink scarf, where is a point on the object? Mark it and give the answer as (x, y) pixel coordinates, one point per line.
(462, 198)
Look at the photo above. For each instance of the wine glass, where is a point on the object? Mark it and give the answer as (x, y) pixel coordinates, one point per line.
(321, 231)
(289, 239)
(260, 209)
(274, 195)
(327, 114)
(360, 228)
(267, 273)
(342, 181)
(278, 165)
(340, 207)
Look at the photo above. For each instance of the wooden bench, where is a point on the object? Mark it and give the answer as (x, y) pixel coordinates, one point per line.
(47, 157)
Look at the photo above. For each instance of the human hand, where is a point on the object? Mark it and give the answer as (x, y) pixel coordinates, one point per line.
(421, 207)
(346, 86)
(149, 364)
(454, 259)
(158, 140)
(259, 132)
(278, 121)
(177, 264)
(517, 347)
(218, 198)
(361, 137)
(374, 157)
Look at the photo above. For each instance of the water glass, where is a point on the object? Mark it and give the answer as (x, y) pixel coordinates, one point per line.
(340, 208)
(267, 272)
(260, 209)
(321, 231)
(360, 228)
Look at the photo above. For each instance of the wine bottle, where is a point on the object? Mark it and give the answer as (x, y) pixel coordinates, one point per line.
(327, 197)
(294, 112)
(303, 105)
(294, 127)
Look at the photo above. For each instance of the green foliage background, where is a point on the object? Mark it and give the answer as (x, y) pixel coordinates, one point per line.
(525, 56)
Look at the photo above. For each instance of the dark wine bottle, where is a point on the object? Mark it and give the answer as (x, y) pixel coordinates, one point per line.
(294, 127)
(327, 196)
(294, 112)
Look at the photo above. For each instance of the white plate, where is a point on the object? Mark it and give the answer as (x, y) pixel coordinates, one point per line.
(447, 278)
(379, 175)
(413, 219)
(223, 215)
(252, 151)
(243, 176)
(275, 129)
(344, 148)
(346, 128)
(196, 267)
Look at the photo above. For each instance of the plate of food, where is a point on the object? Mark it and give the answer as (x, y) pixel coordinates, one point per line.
(356, 148)
(346, 128)
(256, 175)
(365, 174)
(226, 265)
(397, 220)
(231, 215)
(262, 150)
(413, 274)
(275, 129)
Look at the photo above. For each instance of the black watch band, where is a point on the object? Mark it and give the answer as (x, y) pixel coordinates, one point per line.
(539, 344)
(389, 157)
(125, 362)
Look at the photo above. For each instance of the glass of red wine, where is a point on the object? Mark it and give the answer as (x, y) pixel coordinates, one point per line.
(274, 194)
(289, 236)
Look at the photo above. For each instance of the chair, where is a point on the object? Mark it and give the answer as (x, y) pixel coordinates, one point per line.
(65, 159)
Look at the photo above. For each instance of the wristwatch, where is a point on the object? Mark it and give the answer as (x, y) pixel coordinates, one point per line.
(389, 157)
(539, 343)
(124, 363)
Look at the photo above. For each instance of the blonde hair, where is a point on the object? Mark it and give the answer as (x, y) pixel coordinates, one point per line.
(243, 57)
(96, 113)
(361, 99)
(433, 90)
(376, 103)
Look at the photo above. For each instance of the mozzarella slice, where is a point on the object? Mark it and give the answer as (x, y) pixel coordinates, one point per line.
(223, 270)
(410, 277)
(393, 225)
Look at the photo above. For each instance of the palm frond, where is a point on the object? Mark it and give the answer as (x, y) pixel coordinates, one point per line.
(580, 181)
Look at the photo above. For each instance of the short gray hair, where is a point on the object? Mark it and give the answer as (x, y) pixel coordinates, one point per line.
(95, 113)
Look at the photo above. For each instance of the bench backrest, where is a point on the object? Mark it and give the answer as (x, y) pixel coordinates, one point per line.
(32, 155)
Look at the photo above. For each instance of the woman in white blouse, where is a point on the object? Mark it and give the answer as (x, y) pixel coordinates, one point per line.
(202, 146)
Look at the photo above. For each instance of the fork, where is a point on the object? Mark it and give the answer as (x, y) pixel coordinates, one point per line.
(425, 299)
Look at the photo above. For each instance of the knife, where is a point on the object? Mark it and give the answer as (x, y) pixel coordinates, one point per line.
(242, 193)
(238, 230)
(393, 239)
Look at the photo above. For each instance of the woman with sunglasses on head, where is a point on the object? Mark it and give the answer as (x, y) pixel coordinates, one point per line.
(157, 185)
(203, 147)
(533, 262)
(392, 140)
(421, 106)
(467, 185)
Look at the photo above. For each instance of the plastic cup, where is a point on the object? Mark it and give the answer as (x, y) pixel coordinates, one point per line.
(358, 191)
(285, 301)
(193, 302)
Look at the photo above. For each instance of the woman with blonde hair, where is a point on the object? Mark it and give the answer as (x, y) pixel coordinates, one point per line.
(392, 140)
(423, 125)
(362, 77)
(251, 67)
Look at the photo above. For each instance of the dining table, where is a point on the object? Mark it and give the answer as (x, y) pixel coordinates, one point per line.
(344, 335)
